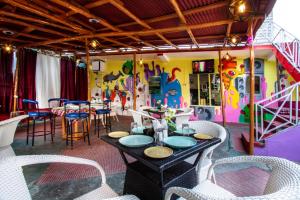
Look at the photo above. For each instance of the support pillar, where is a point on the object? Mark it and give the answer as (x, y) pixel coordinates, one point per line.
(134, 81)
(222, 91)
(252, 90)
(88, 68)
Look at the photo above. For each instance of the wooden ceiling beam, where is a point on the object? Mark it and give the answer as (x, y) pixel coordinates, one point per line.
(88, 6)
(185, 13)
(139, 21)
(145, 32)
(117, 42)
(41, 12)
(31, 19)
(85, 12)
(183, 20)
(21, 23)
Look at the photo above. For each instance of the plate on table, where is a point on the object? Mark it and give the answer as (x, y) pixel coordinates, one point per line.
(180, 142)
(138, 130)
(136, 140)
(158, 152)
(118, 134)
(202, 136)
(185, 131)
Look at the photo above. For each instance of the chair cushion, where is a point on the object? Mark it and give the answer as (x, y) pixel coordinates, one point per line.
(39, 114)
(102, 111)
(103, 192)
(211, 189)
(77, 115)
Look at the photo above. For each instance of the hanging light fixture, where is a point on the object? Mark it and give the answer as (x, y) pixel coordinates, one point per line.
(94, 43)
(141, 61)
(8, 48)
(227, 56)
(240, 10)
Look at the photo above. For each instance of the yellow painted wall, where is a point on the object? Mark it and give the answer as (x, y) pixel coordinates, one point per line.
(185, 64)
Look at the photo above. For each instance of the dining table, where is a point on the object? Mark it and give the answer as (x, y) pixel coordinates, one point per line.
(149, 178)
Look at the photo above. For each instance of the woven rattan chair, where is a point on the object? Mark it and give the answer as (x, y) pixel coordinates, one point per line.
(215, 130)
(7, 132)
(13, 185)
(283, 183)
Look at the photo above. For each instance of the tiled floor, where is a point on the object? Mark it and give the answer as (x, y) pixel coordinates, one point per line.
(65, 181)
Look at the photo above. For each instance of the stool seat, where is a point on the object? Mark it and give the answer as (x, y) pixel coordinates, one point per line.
(39, 114)
(102, 111)
(77, 115)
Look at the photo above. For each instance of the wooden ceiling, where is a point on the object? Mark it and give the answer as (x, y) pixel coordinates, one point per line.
(123, 25)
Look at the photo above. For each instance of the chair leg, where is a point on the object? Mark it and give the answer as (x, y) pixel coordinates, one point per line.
(98, 126)
(52, 127)
(27, 138)
(88, 131)
(54, 124)
(83, 132)
(67, 132)
(95, 123)
(71, 132)
(44, 128)
(33, 132)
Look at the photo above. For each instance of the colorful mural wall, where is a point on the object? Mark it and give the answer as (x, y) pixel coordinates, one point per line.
(115, 82)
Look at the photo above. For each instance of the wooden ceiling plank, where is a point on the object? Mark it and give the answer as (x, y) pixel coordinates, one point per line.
(144, 32)
(37, 10)
(117, 42)
(183, 20)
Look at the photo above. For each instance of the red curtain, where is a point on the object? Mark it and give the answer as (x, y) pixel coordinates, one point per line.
(67, 77)
(6, 81)
(26, 83)
(81, 84)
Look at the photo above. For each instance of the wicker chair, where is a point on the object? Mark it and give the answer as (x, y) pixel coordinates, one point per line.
(283, 184)
(209, 128)
(13, 185)
(7, 132)
(183, 117)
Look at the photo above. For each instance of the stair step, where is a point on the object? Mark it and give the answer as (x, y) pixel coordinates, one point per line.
(245, 141)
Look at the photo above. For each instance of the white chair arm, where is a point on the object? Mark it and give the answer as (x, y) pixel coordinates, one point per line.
(37, 159)
(243, 159)
(184, 193)
(125, 197)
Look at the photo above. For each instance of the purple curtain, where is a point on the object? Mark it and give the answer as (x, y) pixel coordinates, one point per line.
(67, 77)
(27, 67)
(6, 81)
(81, 83)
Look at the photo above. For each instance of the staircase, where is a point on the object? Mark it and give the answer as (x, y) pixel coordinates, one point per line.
(286, 46)
(277, 127)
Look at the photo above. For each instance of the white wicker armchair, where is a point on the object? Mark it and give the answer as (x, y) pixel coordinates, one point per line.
(283, 184)
(183, 118)
(13, 185)
(215, 130)
(7, 132)
(138, 117)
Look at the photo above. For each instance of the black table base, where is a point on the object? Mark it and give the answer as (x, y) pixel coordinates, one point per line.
(148, 184)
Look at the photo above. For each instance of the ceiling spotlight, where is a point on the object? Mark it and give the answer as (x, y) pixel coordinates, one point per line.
(8, 48)
(227, 56)
(233, 40)
(8, 32)
(240, 10)
(94, 21)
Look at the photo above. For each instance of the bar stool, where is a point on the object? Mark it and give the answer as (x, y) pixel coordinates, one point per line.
(103, 114)
(52, 103)
(78, 115)
(35, 114)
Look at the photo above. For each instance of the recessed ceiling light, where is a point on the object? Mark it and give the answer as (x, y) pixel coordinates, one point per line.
(8, 32)
(95, 21)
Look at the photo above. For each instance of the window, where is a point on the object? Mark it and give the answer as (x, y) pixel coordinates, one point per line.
(205, 89)
(257, 87)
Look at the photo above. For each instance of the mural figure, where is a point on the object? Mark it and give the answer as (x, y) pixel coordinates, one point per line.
(128, 67)
(148, 73)
(158, 70)
(230, 71)
(173, 77)
(170, 91)
(111, 77)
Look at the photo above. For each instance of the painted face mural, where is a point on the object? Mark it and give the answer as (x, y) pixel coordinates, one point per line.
(230, 71)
